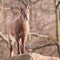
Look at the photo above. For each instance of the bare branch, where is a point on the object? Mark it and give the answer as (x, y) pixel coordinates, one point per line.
(31, 33)
(34, 1)
(3, 37)
(42, 36)
(23, 3)
(46, 24)
(57, 4)
(37, 35)
(51, 44)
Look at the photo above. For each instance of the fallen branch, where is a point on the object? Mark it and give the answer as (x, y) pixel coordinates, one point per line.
(37, 35)
(35, 48)
(4, 37)
(41, 35)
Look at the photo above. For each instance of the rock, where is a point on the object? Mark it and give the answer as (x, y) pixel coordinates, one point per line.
(31, 56)
(19, 57)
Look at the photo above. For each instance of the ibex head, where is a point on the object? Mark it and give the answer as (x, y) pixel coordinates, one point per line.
(26, 10)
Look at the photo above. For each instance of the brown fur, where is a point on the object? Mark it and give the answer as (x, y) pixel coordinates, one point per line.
(18, 29)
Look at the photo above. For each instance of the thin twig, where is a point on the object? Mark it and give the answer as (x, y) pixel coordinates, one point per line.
(51, 44)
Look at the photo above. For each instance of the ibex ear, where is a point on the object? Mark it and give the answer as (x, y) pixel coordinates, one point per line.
(28, 7)
(21, 9)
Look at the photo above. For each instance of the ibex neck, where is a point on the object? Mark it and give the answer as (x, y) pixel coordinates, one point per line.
(28, 16)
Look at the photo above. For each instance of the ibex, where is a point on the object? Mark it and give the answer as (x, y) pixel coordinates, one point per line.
(19, 30)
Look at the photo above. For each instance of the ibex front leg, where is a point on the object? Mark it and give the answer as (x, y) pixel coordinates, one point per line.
(18, 47)
(23, 42)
